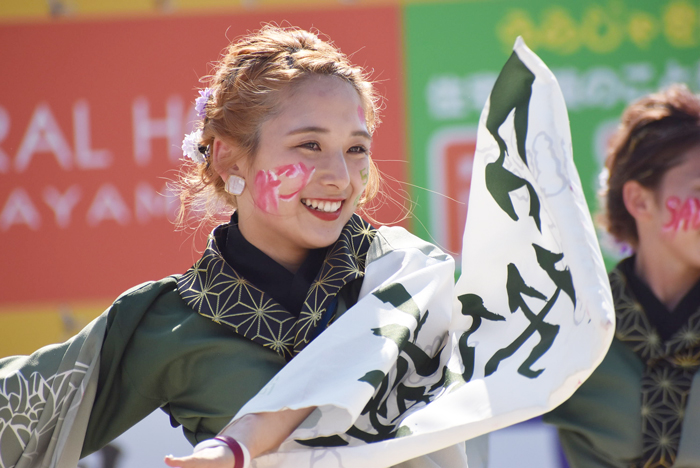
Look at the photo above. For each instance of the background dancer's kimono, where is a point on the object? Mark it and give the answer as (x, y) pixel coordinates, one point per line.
(641, 407)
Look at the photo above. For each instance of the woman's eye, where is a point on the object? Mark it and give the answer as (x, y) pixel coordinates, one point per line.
(312, 145)
(358, 149)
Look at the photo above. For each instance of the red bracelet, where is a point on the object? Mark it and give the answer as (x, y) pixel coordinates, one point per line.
(239, 458)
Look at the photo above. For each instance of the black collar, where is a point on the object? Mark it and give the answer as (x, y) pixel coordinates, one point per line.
(645, 325)
(287, 288)
(667, 322)
(216, 290)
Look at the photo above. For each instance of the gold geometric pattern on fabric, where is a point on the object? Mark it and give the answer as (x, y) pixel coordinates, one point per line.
(667, 377)
(344, 263)
(215, 290)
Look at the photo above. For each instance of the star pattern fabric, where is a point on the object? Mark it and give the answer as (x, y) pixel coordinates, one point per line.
(215, 290)
(667, 377)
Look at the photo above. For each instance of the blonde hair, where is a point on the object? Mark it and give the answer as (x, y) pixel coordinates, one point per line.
(246, 89)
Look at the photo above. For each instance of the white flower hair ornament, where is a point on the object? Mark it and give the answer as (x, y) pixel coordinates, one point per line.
(192, 149)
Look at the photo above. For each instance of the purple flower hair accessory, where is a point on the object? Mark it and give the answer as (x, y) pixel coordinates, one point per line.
(200, 103)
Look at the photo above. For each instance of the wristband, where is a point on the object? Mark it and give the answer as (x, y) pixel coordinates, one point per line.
(240, 452)
(208, 443)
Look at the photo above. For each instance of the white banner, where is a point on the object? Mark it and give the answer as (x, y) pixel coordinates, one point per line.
(420, 364)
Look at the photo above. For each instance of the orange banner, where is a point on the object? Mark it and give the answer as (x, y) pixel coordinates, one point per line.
(92, 116)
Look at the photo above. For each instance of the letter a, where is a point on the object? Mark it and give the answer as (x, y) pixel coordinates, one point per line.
(43, 135)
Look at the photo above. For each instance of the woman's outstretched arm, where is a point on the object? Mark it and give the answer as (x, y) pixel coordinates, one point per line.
(259, 433)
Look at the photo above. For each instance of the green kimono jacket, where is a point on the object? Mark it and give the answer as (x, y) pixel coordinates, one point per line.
(198, 345)
(632, 404)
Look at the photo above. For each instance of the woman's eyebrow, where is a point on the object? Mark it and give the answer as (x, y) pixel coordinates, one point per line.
(312, 129)
(362, 133)
(309, 130)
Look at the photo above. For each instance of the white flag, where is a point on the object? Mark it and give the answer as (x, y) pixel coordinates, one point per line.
(419, 364)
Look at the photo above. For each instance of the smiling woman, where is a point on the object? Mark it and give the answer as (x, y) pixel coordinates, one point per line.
(306, 173)
(283, 143)
(257, 79)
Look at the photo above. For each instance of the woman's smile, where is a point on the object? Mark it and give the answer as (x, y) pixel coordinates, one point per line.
(327, 210)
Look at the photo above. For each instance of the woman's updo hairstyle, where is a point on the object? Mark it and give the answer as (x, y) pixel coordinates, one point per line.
(245, 91)
(654, 133)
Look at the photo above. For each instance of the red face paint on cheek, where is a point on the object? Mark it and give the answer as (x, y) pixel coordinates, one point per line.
(267, 190)
(297, 176)
(684, 215)
(280, 183)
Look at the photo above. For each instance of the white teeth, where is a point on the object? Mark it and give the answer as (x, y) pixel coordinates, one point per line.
(323, 205)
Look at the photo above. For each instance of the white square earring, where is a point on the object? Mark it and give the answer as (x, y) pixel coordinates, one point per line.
(235, 185)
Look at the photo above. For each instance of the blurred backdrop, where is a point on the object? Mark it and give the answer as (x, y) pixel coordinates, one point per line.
(96, 96)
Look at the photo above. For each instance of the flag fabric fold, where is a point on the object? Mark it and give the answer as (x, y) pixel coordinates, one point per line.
(420, 364)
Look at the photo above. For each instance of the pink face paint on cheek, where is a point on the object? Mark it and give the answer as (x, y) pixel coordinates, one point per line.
(289, 171)
(696, 216)
(672, 205)
(297, 171)
(684, 215)
(267, 190)
(306, 173)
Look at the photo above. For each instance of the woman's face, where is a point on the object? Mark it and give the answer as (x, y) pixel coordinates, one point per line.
(676, 213)
(309, 171)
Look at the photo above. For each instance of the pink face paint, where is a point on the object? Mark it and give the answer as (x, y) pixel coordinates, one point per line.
(281, 183)
(361, 115)
(267, 186)
(290, 172)
(684, 215)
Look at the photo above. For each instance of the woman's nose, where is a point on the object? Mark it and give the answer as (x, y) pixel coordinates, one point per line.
(334, 170)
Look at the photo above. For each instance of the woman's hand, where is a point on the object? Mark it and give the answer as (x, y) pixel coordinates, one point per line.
(253, 434)
(214, 457)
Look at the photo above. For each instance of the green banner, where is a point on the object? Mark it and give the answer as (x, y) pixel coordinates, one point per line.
(604, 55)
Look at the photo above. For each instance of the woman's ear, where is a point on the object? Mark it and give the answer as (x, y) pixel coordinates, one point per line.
(638, 199)
(226, 159)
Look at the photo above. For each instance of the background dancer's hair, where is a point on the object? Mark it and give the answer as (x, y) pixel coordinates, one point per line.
(654, 133)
